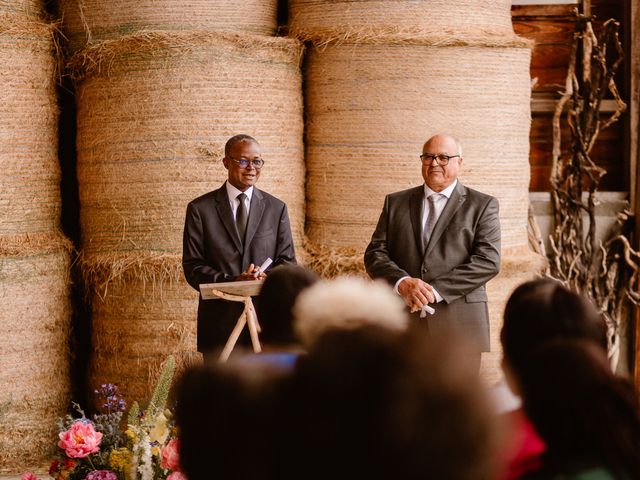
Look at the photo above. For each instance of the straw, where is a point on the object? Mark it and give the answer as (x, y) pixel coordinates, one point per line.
(34, 341)
(92, 21)
(30, 181)
(154, 112)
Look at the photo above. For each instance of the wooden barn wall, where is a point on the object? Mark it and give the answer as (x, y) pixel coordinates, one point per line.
(551, 26)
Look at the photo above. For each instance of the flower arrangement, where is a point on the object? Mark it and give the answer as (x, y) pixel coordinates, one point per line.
(97, 448)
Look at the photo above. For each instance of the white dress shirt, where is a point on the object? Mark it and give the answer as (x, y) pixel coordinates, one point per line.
(232, 193)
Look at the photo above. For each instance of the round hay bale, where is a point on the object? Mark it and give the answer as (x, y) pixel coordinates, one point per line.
(346, 19)
(30, 181)
(141, 316)
(34, 341)
(87, 22)
(371, 106)
(154, 112)
(22, 8)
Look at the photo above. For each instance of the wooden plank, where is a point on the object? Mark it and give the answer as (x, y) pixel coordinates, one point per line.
(524, 11)
(544, 2)
(544, 30)
(248, 288)
(544, 105)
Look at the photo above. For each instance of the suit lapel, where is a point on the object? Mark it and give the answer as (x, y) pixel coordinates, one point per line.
(458, 197)
(255, 215)
(415, 211)
(226, 216)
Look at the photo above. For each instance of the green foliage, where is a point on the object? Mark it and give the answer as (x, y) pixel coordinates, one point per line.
(158, 401)
(134, 415)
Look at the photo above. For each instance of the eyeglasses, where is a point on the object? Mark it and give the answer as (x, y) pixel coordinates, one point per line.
(244, 162)
(428, 158)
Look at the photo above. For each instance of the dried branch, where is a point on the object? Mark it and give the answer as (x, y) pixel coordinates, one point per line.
(606, 272)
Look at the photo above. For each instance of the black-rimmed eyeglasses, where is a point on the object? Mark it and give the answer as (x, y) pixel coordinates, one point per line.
(244, 162)
(442, 159)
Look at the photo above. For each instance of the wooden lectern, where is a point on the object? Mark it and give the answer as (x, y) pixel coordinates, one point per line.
(237, 292)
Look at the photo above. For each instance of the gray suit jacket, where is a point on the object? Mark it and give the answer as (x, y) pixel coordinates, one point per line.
(212, 252)
(463, 253)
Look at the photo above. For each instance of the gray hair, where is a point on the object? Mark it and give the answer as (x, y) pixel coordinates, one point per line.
(347, 303)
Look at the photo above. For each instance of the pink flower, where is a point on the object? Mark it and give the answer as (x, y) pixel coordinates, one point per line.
(80, 440)
(171, 456)
(177, 476)
(28, 476)
(101, 475)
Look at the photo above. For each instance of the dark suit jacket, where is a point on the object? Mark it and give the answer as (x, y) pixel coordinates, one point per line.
(212, 252)
(463, 253)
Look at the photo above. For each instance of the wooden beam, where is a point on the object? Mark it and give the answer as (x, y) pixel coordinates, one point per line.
(541, 105)
(544, 2)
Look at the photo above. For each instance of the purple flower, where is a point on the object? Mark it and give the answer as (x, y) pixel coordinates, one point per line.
(112, 402)
(101, 475)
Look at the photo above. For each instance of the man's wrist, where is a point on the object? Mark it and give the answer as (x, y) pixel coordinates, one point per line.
(395, 287)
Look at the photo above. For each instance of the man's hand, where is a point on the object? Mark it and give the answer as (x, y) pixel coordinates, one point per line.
(416, 293)
(252, 274)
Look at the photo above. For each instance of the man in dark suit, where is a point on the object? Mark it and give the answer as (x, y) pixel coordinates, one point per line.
(228, 233)
(439, 243)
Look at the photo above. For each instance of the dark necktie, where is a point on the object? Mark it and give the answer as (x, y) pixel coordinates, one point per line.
(241, 216)
(432, 217)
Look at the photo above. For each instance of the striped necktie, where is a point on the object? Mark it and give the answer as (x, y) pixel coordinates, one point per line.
(432, 217)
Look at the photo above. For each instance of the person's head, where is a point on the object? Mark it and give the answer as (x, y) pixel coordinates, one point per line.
(347, 303)
(275, 303)
(542, 310)
(243, 161)
(583, 412)
(225, 415)
(370, 403)
(441, 161)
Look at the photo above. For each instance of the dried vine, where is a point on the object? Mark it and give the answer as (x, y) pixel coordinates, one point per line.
(605, 271)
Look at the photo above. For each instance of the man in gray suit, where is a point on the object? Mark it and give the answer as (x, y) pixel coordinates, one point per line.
(439, 244)
(228, 233)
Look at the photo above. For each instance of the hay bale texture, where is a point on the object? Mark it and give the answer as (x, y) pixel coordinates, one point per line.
(137, 321)
(87, 22)
(30, 181)
(34, 335)
(22, 8)
(153, 113)
(319, 19)
(371, 106)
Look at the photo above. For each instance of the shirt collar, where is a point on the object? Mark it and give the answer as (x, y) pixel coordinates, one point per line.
(233, 192)
(447, 192)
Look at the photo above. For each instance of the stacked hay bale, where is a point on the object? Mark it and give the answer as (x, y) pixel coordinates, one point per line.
(154, 110)
(381, 78)
(34, 255)
(93, 21)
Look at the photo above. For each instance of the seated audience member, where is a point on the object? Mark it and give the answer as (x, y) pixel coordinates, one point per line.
(588, 417)
(537, 312)
(347, 303)
(375, 403)
(226, 417)
(279, 292)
